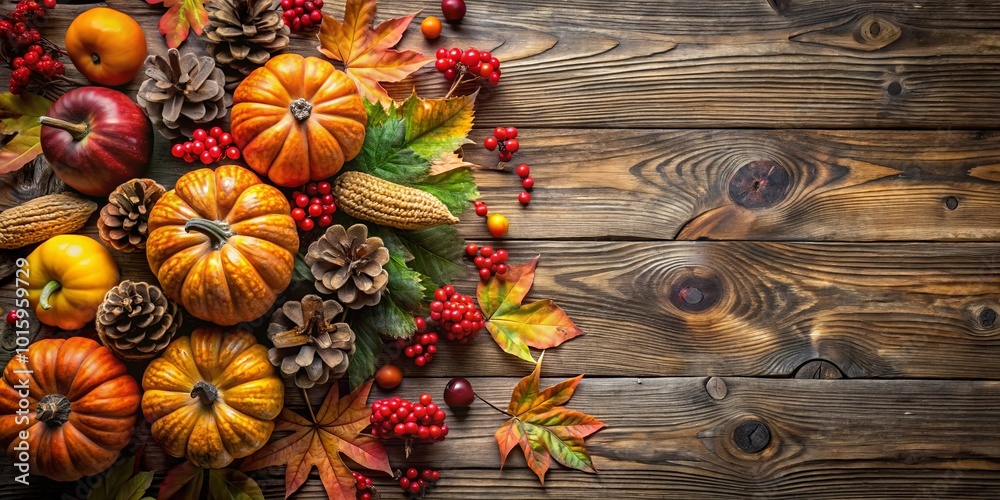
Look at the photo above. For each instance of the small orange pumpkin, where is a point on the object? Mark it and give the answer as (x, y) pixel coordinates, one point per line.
(298, 119)
(82, 406)
(222, 244)
(212, 397)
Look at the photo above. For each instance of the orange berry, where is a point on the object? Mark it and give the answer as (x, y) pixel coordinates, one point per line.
(497, 225)
(389, 377)
(431, 27)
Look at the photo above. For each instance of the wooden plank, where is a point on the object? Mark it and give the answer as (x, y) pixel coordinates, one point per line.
(815, 68)
(884, 439)
(747, 309)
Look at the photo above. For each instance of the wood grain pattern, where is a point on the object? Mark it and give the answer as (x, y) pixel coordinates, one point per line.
(763, 309)
(675, 441)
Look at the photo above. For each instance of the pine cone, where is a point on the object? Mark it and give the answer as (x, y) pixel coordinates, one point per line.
(349, 263)
(182, 93)
(242, 34)
(136, 321)
(308, 343)
(122, 224)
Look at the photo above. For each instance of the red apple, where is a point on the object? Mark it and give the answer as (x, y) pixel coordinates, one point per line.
(96, 138)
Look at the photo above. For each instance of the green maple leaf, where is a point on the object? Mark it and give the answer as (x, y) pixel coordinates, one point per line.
(181, 17)
(121, 482)
(367, 347)
(515, 326)
(437, 253)
(19, 118)
(455, 188)
(544, 429)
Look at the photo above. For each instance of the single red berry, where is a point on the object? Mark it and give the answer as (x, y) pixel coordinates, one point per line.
(325, 221)
(484, 274)
(329, 209)
(512, 145)
(412, 473)
(199, 135)
(324, 187)
(177, 151)
(523, 170)
(312, 189)
(415, 488)
(215, 152)
(404, 483)
(500, 133)
(482, 210)
(12, 317)
(528, 182)
(511, 132)
(490, 143)
(505, 155)
(486, 251)
(485, 69)
(524, 198)
(197, 147)
(215, 132)
(453, 10)
(441, 53)
(206, 158)
(500, 255)
(425, 399)
(471, 249)
(302, 201)
(458, 393)
(225, 139)
(501, 269)
(315, 210)
(485, 56)
(455, 53)
(233, 153)
(298, 214)
(478, 261)
(306, 224)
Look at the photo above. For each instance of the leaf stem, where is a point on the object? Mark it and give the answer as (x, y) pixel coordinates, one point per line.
(494, 407)
(309, 405)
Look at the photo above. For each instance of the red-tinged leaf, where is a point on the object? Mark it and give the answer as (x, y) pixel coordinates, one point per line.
(336, 431)
(544, 428)
(367, 53)
(515, 326)
(19, 124)
(187, 482)
(181, 17)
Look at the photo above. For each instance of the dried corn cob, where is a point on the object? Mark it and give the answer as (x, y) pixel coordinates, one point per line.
(377, 200)
(42, 218)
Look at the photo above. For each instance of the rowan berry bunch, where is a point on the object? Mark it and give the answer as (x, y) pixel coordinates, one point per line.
(422, 347)
(396, 417)
(488, 261)
(32, 58)
(209, 147)
(302, 15)
(415, 483)
(313, 206)
(504, 140)
(364, 485)
(456, 64)
(457, 315)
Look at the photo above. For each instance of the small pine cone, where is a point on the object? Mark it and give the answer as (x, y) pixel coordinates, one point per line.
(136, 321)
(349, 263)
(183, 93)
(310, 346)
(242, 34)
(122, 224)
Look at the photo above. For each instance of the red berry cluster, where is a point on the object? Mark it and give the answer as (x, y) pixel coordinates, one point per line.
(527, 182)
(455, 63)
(505, 140)
(314, 207)
(302, 15)
(457, 314)
(400, 418)
(422, 347)
(487, 260)
(209, 147)
(364, 485)
(415, 483)
(23, 48)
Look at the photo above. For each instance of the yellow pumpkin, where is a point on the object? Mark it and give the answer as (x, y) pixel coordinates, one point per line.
(212, 397)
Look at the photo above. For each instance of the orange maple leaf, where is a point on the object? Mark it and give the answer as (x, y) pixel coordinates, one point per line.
(367, 53)
(335, 429)
(544, 429)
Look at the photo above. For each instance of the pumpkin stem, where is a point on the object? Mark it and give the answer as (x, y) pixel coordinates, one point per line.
(47, 291)
(53, 410)
(217, 231)
(77, 130)
(206, 392)
(300, 108)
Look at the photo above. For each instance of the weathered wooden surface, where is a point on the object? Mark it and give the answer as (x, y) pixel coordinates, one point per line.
(848, 153)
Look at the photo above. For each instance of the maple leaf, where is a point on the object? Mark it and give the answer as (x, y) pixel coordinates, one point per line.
(182, 16)
(515, 326)
(19, 120)
(544, 429)
(367, 53)
(335, 430)
(187, 482)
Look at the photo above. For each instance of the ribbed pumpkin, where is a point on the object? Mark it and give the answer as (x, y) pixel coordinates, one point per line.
(298, 119)
(222, 244)
(212, 397)
(81, 412)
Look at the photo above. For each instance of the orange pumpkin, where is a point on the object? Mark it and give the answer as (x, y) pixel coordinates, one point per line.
(212, 397)
(222, 244)
(298, 119)
(81, 408)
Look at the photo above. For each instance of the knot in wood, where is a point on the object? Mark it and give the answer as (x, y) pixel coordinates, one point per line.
(875, 32)
(987, 317)
(752, 436)
(951, 202)
(716, 388)
(695, 293)
(759, 184)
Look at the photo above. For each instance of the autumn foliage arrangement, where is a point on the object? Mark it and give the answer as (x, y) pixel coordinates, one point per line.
(326, 236)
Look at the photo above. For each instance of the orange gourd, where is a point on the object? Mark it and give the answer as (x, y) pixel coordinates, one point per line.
(212, 397)
(82, 406)
(298, 119)
(222, 244)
